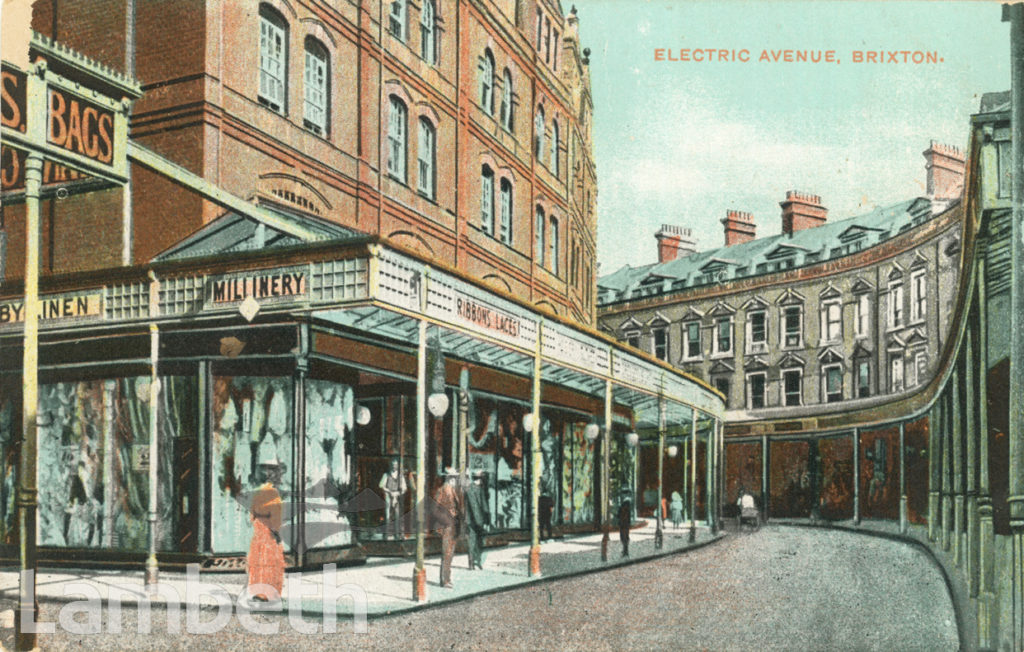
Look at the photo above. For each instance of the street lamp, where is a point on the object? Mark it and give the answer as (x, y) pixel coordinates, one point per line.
(363, 415)
(592, 431)
(632, 439)
(673, 450)
(437, 404)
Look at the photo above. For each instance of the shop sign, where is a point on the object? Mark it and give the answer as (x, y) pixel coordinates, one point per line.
(570, 350)
(63, 307)
(268, 284)
(478, 315)
(70, 127)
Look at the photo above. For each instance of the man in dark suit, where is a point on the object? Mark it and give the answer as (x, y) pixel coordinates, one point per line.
(478, 519)
(449, 508)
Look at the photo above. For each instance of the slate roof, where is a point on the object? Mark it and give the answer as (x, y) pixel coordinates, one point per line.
(232, 232)
(765, 255)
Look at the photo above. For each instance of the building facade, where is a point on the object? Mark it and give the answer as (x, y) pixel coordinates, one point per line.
(351, 233)
(460, 129)
(825, 312)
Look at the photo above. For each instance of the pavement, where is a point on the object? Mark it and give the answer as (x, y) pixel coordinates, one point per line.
(384, 584)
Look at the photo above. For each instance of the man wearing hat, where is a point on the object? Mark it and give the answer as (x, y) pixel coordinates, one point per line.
(478, 519)
(449, 506)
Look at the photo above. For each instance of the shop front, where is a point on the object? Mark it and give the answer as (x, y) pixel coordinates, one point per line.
(335, 361)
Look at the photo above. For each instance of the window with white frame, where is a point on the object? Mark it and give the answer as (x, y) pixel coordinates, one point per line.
(315, 80)
(633, 339)
(397, 131)
(757, 330)
(756, 388)
(691, 332)
(426, 155)
(660, 337)
(792, 387)
(487, 200)
(273, 59)
(832, 382)
(538, 236)
(428, 42)
(538, 138)
(506, 101)
(723, 335)
(554, 147)
(896, 372)
(863, 379)
(918, 295)
(396, 19)
(487, 82)
(506, 211)
(863, 321)
(792, 326)
(895, 304)
(553, 245)
(831, 320)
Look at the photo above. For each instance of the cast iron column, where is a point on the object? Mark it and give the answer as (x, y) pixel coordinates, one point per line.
(693, 475)
(152, 570)
(903, 477)
(659, 533)
(535, 455)
(419, 573)
(28, 494)
(606, 441)
(1016, 390)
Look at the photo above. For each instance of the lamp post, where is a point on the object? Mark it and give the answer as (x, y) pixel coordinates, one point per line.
(693, 475)
(659, 534)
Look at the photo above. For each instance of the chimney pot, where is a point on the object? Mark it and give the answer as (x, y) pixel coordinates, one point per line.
(944, 166)
(739, 227)
(674, 242)
(801, 210)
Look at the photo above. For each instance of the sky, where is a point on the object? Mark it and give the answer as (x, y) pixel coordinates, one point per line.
(682, 142)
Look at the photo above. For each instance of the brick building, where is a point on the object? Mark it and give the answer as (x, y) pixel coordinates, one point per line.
(458, 129)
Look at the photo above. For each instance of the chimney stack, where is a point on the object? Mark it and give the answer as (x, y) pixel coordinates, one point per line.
(739, 227)
(944, 165)
(801, 211)
(674, 242)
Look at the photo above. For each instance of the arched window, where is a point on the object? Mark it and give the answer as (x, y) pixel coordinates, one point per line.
(426, 155)
(538, 138)
(554, 147)
(506, 101)
(428, 44)
(538, 236)
(396, 20)
(397, 132)
(506, 211)
(487, 200)
(273, 59)
(487, 82)
(316, 80)
(553, 246)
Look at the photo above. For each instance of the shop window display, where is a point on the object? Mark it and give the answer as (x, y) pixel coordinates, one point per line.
(330, 418)
(578, 468)
(10, 427)
(252, 424)
(94, 462)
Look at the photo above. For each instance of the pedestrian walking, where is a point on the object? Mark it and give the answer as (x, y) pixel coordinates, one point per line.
(545, 506)
(266, 554)
(625, 520)
(449, 501)
(676, 508)
(478, 519)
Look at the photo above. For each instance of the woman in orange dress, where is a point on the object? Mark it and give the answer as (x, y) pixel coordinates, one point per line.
(266, 554)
